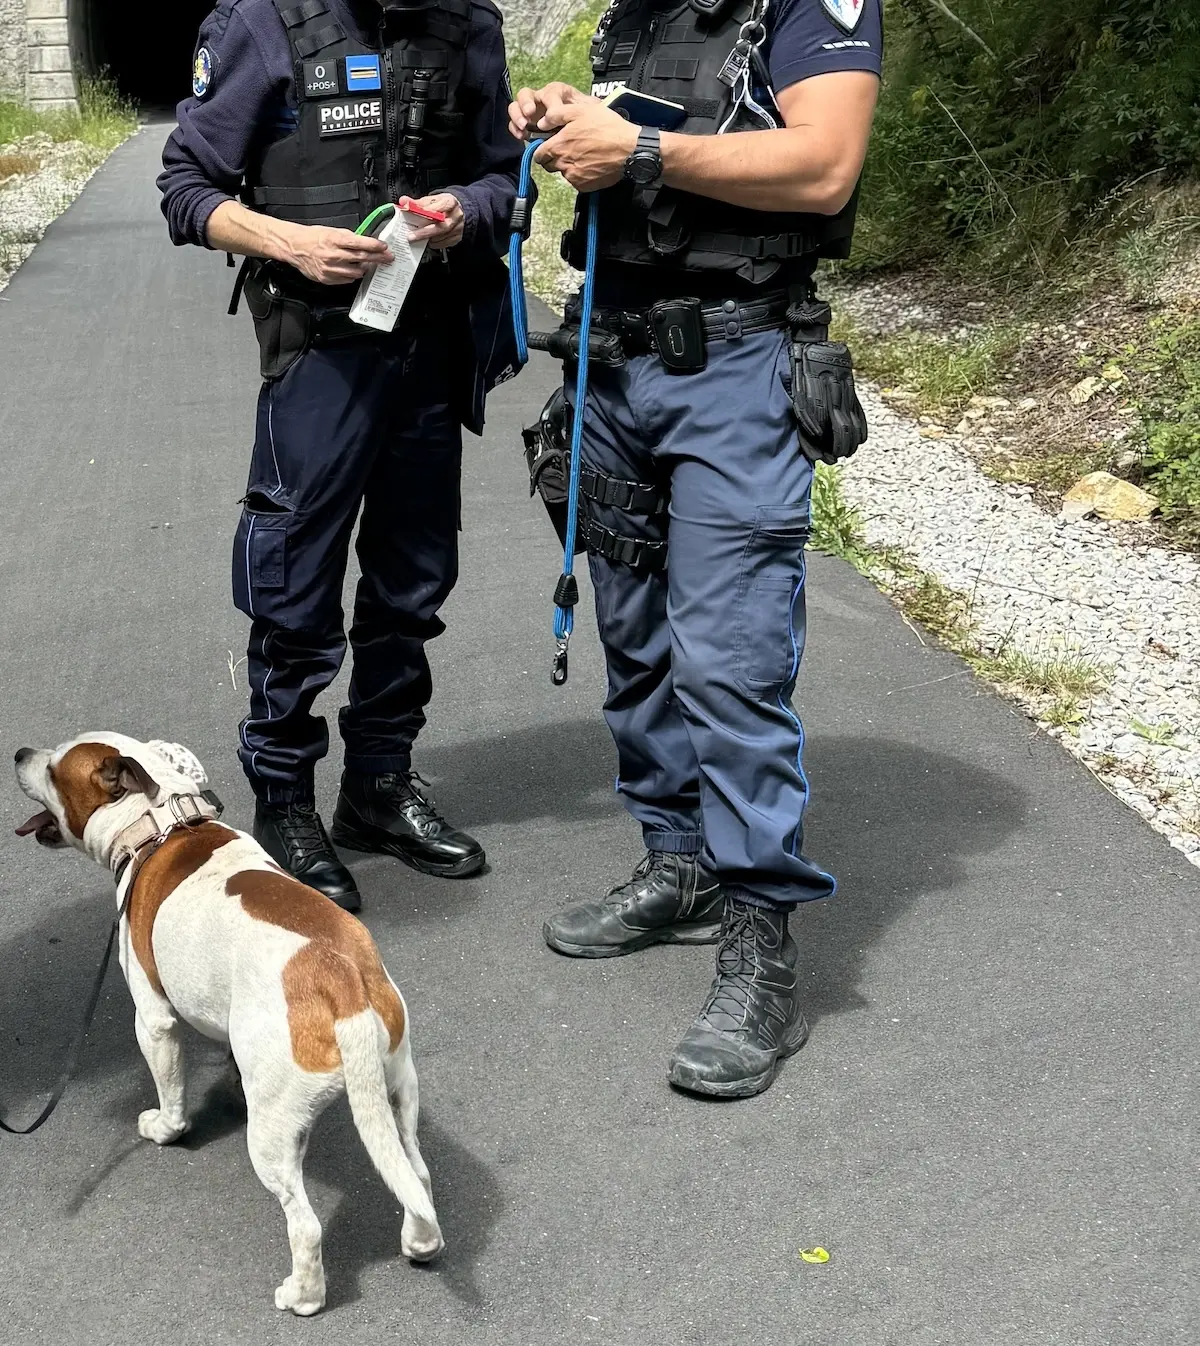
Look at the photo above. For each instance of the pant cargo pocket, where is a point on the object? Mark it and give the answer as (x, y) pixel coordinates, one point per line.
(260, 553)
(767, 650)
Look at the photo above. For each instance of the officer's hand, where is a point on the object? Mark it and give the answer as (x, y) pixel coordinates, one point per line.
(529, 109)
(589, 146)
(333, 256)
(444, 235)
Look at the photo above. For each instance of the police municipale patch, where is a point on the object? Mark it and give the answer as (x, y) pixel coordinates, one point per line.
(202, 69)
(845, 13)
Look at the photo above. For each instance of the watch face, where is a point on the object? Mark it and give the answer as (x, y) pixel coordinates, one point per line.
(643, 168)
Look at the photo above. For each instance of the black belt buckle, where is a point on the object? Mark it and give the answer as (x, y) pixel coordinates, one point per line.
(677, 326)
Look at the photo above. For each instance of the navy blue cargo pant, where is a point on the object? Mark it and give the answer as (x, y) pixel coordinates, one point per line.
(361, 422)
(703, 657)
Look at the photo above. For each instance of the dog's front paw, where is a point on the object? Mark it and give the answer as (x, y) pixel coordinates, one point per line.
(152, 1125)
(303, 1298)
(420, 1243)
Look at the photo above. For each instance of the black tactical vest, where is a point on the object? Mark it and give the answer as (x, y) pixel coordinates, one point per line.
(681, 53)
(375, 122)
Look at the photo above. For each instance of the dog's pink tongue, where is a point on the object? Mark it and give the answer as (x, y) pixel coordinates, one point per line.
(38, 820)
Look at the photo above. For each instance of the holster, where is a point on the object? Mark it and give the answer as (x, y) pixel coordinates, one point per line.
(548, 456)
(604, 348)
(829, 415)
(282, 324)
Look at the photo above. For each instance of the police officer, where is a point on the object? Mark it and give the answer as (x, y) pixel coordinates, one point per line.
(305, 116)
(699, 443)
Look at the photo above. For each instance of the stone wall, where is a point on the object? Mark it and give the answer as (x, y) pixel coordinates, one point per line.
(50, 79)
(12, 49)
(37, 65)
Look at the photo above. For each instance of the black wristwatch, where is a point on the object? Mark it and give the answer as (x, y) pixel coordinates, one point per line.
(644, 167)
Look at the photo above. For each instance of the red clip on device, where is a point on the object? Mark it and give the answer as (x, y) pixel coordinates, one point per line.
(411, 208)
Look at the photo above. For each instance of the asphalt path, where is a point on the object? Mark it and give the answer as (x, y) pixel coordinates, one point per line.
(991, 1130)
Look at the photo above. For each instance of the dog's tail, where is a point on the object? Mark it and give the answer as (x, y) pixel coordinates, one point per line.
(359, 1040)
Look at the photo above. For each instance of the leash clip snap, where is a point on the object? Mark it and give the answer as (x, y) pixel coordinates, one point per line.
(559, 674)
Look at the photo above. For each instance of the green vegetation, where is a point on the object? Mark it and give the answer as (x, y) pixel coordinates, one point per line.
(1169, 401)
(836, 527)
(1161, 732)
(942, 374)
(569, 61)
(1012, 143)
(1062, 674)
(104, 119)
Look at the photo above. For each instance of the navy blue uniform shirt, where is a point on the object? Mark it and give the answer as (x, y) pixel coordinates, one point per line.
(803, 39)
(251, 95)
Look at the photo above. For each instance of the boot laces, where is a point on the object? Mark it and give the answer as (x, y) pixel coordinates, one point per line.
(412, 791)
(302, 830)
(649, 864)
(733, 987)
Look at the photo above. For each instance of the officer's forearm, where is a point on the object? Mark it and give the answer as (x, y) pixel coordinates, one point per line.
(788, 169)
(811, 164)
(233, 228)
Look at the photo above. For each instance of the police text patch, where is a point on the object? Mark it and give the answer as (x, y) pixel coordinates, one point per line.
(351, 114)
(320, 79)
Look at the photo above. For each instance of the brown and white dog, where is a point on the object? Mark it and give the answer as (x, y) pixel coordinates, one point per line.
(216, 934)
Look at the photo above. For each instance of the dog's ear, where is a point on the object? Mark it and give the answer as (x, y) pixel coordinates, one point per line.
(124, 775)
(182, 759)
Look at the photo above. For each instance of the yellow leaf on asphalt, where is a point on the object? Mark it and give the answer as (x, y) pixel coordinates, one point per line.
(814, 1254)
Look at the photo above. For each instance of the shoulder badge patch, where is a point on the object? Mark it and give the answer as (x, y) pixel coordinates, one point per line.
(202, 72)
(845, 13)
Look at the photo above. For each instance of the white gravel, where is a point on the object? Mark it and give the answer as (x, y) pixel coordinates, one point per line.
(1043, 586)
(29, 202)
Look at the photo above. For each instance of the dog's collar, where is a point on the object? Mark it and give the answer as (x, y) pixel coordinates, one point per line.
(138, 842)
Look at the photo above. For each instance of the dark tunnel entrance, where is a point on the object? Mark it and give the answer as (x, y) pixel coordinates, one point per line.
(147, 46)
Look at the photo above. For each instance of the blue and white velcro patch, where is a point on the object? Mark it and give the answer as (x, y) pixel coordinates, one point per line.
(362, 72)
(845, 13)
(202, 72)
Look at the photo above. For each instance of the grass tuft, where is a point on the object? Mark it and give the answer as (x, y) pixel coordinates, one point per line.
(836, 528)
(1060, 674)
(942, 374)
(105, 118)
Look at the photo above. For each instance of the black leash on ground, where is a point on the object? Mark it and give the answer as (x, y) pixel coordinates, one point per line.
(76, 1047)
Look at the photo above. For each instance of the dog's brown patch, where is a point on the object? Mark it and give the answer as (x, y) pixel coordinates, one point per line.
(178, 858)
(77, 778)
(338, 973)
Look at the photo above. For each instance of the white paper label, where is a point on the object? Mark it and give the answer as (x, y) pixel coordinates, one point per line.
(382, 292)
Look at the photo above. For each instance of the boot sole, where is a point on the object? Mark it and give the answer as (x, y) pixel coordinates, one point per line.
(343, 836)
(693, 934)
(744, 1088)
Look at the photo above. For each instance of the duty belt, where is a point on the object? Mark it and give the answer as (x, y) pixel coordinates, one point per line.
(678, 331)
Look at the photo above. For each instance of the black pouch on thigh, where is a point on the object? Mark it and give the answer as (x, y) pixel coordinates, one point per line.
(260, 555)
(821, 377)
(548, 456)
(282, 325)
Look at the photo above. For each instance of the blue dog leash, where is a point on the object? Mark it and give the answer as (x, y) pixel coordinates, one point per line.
(566, 592)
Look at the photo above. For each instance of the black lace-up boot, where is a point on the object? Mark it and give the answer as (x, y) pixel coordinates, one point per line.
(751, 1020)
(671, 899)
(294, 836)
(395, 815)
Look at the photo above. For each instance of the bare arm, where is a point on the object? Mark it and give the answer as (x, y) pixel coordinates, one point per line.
(810, 164)
(327, 256)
